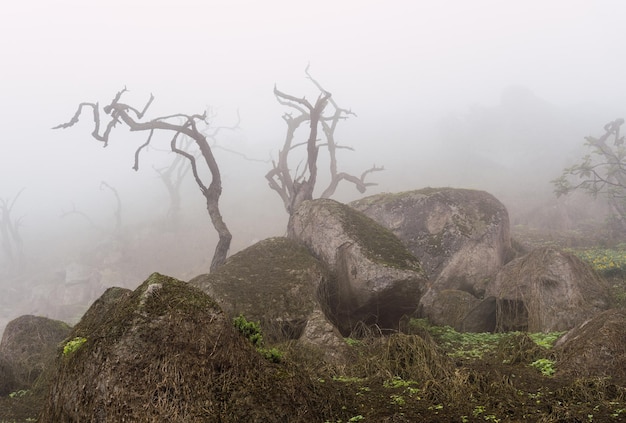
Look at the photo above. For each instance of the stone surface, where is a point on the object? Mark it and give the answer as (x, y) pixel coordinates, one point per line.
(28, 344)
(547, 290)
(460, 236)
(451, 307)
(275, 281)
(167, 352)
(376, 280)
(595, 348)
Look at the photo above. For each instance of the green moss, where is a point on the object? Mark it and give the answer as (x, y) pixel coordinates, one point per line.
(274, 273)
(73, 345)
(158, 296)
(252, 331)
(379, 244)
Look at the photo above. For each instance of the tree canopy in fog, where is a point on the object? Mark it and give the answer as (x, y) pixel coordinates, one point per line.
(190, 127)
(600, 172)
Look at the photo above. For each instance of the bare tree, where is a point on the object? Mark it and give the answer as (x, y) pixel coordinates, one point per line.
(173, 175)
(294, 187)
(118, 205)
(12, 243)
(119, 112)
(601, 172)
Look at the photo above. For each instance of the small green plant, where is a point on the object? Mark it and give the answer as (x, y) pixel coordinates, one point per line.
(252, 331)
(357, 418)
(249, 329)
(607, 262)
(545, 340)
(397, 399)
(19, 394)
(73, 345)
(353, 342)
(545, 366)
(478, 410)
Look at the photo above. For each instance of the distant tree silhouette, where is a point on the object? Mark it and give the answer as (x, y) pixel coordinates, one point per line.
(601, 172)
(121, 113)
(12, 243)
(298, 185)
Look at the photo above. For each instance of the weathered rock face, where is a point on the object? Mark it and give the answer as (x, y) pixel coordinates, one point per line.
(8, 383)
(376, 280)
(451, 308)
(276, 282)
(28, 344)
(547, 290)
(167, 352)
(596, 347)
(461, 236)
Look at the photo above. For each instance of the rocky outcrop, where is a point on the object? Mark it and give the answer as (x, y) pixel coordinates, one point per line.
(167, 352)
(28, 344)
(595, 348)
(547, 290)
(451, 308)
(276, 282)
(376, 280)
(461, 237)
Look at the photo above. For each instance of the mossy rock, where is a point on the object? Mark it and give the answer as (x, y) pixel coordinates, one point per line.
(275, 281)
(28, 344)
(439, 224)
(167, 352)
(375, 278)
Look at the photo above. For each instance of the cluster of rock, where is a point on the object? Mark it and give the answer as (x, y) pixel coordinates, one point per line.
(443, 254)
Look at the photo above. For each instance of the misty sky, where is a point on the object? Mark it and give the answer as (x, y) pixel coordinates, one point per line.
(402, 67)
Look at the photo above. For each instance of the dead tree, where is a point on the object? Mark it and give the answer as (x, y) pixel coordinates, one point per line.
(294, 187)
(118, 205)
(119, 112)
(173, 175)
(12, 243)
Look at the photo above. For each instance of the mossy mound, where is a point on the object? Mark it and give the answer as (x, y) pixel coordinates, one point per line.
(7, 378)
(596, 348)
(274, 281)
(167, 352)
(547, 290)
(28, 344)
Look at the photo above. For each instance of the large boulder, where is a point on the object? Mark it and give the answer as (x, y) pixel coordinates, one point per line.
(461, 237)
(167, 352)
(28, 344)
(376, 280)
(452, 307)
(276, 282)
(595, 348)
(547, 290)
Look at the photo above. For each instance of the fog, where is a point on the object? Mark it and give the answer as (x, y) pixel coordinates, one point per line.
(484, 94)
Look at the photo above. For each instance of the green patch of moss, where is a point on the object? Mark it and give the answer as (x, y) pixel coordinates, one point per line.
(274, 274)
(378, 243)
(159, 296)
(73, 345)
